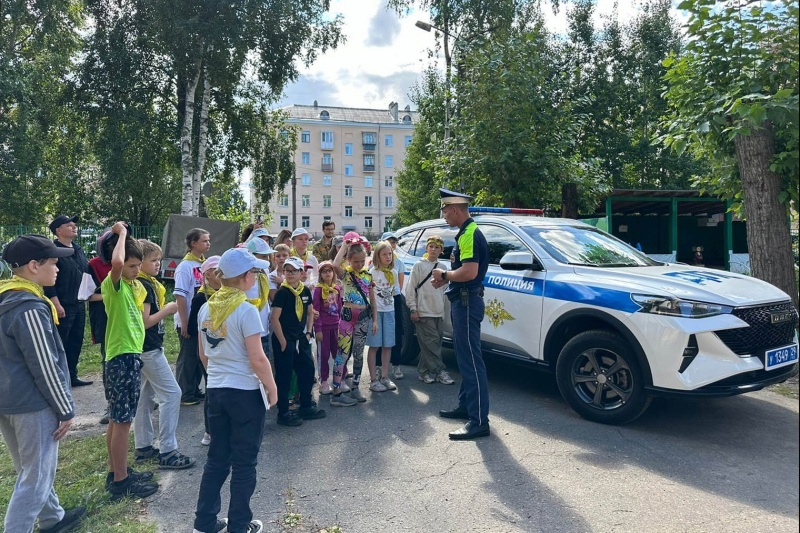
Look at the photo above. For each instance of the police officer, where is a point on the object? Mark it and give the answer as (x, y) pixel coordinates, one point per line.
(469, 263)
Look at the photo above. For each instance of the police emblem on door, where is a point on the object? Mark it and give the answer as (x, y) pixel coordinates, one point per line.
(496, 313)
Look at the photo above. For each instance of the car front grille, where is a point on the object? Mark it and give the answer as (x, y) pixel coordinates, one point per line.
(761, 335)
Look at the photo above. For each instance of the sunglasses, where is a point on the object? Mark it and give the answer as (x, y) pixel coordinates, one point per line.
(290, 271)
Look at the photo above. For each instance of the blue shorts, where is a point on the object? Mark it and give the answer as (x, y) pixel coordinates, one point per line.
(385, 335)
(122, 384)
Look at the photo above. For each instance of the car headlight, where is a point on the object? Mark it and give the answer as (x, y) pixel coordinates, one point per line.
(661, 305)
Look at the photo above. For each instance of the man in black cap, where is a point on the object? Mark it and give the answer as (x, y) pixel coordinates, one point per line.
(71, 311)
(36, 406)
(469, 264)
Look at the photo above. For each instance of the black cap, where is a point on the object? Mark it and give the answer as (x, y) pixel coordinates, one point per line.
(449, 197)
(60, 220)
(27, 248)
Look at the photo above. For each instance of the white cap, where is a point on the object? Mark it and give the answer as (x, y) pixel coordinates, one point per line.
(259, 232)
(259, 246)
(209, 263)
(296, 263)
(299, 231)
(389, 235)
(237, 261)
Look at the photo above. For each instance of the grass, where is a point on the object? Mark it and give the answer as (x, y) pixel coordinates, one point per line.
(786, 389)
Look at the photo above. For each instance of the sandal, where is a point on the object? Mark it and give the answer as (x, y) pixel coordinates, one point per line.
(174, 460)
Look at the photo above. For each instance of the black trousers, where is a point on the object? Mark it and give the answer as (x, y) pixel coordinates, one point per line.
(189, 370)
(70, 329)
(297, 358)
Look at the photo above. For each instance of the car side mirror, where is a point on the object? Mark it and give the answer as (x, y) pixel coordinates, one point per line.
(520, 261)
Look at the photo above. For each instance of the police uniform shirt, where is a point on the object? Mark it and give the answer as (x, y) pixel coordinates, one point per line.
(471, 247)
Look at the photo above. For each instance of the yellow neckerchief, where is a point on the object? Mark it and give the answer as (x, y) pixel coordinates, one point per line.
(17, 283)
(298, 302)
(326, 289)
(139, 292)
(191, 257)
(387, 271)
(222, 303)
(361, 272)
(263, 291)
(158, 287)
(208, 290)
(295, 253)
(426, 258)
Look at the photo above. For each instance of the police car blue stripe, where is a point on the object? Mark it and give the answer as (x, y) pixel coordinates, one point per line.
(600, 297)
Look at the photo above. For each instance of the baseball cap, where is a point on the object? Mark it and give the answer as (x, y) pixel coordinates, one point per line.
(324, 265)
(60, 220)
(260, 232)
(209, 263)
(299, 231)
(259, 246)
(237, 261)
(27, 248)
(351, 235)
(296, 263)
(388, 235)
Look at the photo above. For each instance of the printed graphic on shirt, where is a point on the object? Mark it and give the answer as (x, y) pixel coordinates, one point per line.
(213, 338)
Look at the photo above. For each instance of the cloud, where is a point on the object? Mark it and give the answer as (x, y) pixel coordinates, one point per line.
(310, 87)
(384, 27)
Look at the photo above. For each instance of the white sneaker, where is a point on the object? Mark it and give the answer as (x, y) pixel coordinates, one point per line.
(344, 387)
(444, 377)
(324, 388)
(396, 373)
(206, 440)
(356, 393)
(388, 383)
(343, 400)
(427, 378)
(377, 386)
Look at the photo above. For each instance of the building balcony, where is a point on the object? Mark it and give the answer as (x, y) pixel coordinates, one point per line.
(327, 165)
(369, 168)
(368, 147)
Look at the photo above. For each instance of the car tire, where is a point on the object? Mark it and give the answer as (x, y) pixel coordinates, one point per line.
(410, 350)
(599, 376)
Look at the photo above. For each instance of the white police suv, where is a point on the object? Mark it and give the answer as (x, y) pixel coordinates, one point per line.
(615, 326)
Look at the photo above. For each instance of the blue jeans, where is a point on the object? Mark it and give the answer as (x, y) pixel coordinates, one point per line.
(236, 423)
(474, 392)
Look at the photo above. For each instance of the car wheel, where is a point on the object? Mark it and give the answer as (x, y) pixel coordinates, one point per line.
(600, 378)
(410, 350)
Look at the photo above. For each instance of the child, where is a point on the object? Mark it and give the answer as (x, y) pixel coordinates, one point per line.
(292, 327)
(383, 281)
(211, 284)
(399, 303)
(328, 304)
(358, 308)
(188, 370)
(282, 253)
(258, 294)
(300, 238)
(426, 304)
(123, 297)
(230, 349)
(157, 377)
(36, 406)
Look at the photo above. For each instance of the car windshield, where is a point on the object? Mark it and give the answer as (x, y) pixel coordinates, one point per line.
(586, 246)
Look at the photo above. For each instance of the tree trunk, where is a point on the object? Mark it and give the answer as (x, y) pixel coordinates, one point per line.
(202, 144)
(187, 170)
(569, 200)
(768, 237)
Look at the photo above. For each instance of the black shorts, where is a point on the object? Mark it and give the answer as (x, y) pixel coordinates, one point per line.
(122, 386)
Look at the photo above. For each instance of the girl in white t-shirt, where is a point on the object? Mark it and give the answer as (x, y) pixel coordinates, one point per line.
(384, 281)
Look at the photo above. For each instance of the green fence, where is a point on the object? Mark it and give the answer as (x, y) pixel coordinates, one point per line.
(87, 235)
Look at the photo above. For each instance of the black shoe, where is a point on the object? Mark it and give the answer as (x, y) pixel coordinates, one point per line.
(104, 418)
(129, 487)
(77, 382)
(311, 413)
(190, 400)
(149, 453)
(133, 474)
(470, 431)
(71, 520)
(459, 413)
(289, 419)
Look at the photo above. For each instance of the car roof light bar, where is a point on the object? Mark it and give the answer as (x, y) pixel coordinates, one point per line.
(505, 211)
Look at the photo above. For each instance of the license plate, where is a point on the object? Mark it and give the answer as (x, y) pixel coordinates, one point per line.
(780, 357)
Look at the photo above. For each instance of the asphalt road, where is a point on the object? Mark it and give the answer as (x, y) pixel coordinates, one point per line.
(719, 465)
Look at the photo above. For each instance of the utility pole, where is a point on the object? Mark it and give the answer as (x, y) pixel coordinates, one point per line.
(294, 200)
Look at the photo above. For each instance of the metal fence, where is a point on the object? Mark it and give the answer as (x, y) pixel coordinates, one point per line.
(87, 235)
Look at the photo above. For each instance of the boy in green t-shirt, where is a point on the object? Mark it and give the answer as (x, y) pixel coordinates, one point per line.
(123, 297)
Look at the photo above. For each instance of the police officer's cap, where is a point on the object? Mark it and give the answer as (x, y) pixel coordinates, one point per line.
(449, 197)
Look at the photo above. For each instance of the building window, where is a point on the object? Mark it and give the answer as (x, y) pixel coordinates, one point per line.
(388, 182)
(388, 161)
(406, 119)
(305, 158)
(368, 201)
(368, 138)
(348, 211)
(284, 221)
(284, 134)
(327, 159)
(324, 115)
(367, 222)
(326, 219)
(407, 141)
(368, 182)
(305, 137)
(387, 223)
(348, 170)
(369, 162)
(306, 179)
(348, 191)
(306, 200)
(348, 148)
(388, 140)
(306, 221)
(326, 181)
(389, 201)
(326, 200)
(327, 140)
(283, 201)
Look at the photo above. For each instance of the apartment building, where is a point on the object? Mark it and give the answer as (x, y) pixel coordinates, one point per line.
(346, 166)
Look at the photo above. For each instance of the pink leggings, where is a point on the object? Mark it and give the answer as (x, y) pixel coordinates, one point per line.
(326, 349)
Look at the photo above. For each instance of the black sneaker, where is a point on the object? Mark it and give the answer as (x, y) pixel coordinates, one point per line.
(133, 474)
(149, 453)
(255, 526)
(311, 413)
(190, 400)
(104, 418)
(220, 527)
(289, 419)
(71, 520)
(129, 487)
